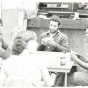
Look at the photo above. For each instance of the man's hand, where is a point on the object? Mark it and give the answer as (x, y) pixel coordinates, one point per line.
(43, 42)
(47, 41)
(51, 43)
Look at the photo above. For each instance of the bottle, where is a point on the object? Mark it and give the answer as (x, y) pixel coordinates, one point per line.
(63, 60)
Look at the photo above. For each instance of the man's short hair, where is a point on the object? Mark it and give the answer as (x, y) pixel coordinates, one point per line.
(56, 18)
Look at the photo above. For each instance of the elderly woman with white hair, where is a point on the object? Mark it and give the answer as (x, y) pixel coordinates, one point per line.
(24, 69)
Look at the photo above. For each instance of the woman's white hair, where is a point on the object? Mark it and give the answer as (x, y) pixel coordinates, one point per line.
(21, 41)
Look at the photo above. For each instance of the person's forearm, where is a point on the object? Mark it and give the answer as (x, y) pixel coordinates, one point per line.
(41, 47)
(82, 58)
(4, 54)
(60, 48)
(4, 45)
(80, 62)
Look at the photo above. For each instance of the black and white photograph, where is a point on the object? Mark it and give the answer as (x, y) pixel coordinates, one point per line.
(43, 43)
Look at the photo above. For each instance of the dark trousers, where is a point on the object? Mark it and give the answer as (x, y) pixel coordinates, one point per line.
(59, 81)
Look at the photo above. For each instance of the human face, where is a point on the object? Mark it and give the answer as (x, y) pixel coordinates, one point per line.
(53, 26)
(86, 35)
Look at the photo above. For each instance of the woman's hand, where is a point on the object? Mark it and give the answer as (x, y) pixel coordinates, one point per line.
(74, 52)
(73, 56)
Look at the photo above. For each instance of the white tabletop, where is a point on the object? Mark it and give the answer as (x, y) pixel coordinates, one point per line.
(52, 60)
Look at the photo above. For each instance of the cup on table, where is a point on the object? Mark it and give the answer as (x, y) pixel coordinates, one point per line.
(62, 61)
(65, 59)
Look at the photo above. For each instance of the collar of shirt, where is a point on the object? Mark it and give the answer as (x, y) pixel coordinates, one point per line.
(52, 35)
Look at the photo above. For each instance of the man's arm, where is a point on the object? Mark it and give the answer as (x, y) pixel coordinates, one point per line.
(41, 47)
(60, 48)
(63, 46)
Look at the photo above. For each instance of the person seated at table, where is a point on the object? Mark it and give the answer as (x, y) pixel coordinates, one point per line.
(79, 78)
(53, 40)
(24, 70)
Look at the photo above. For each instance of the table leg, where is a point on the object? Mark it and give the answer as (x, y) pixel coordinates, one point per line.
(65, 80)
